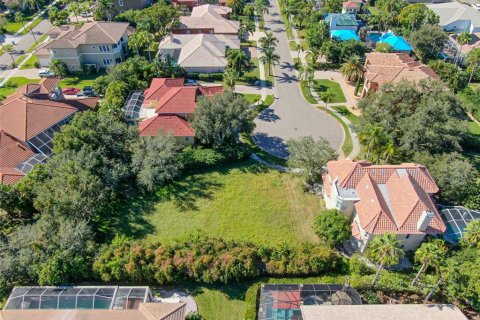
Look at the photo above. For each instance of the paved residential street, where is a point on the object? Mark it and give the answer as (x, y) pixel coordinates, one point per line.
(290, 115)
(26, 41)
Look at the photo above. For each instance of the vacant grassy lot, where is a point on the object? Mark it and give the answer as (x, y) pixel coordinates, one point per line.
(12, 84)
(244, 201)
(322, 85)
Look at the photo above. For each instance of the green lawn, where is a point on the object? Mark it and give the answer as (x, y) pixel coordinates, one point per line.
(12, 84)
(20, 59)
(321, 85)
(251, 97)
(30, 63)
(474, 128)
(262, 154)
(347, 114)
(79, 80)
(243, 201)
(33, 25)
(306, 93)
(12, 27)
(251, 75)
(265, 104)
(347, 145)
(292, 45)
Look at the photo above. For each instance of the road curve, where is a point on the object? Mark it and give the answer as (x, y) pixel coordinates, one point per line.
(290, 116)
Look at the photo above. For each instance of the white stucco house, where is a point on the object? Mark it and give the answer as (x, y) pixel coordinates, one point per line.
(380, 199)
(457, 17)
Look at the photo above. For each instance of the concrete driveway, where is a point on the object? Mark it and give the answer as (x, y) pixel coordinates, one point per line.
(290, 116)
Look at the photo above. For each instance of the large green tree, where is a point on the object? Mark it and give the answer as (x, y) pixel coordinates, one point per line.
(155, 160)
(427, 42)
(219, 119)
(385, 250)
(429, 254)
(332, 227)
(414, 16)
(310, 156)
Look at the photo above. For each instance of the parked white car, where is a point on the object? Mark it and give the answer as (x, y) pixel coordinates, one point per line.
(45, 74)
(476, 6)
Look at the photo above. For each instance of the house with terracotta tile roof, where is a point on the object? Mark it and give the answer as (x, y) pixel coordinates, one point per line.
(168, 106)
(351, 7)
(383, 198)
(194, 3)
(29, 118)
(208, 18)
(382, 68)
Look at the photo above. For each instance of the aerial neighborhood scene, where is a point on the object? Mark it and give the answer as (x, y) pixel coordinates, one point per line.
(239, 160)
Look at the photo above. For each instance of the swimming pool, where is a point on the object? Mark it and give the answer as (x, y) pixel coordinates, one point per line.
(374, 36)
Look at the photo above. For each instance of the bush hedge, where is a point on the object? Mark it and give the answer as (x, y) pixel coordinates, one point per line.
(195, 158)
(208, 259)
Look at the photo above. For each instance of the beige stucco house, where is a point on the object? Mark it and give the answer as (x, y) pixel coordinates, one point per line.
(101, 44)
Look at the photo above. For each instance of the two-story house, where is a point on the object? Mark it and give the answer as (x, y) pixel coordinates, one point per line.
(29, 118)
(208, 18)
(381, 68)
(99, 44)
(167, 106)
(383, 198)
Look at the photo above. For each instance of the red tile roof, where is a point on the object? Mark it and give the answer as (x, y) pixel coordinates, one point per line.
(392, 197)
(10, 176)
(382, 68)
(171, 96)
(350, 4)
(167, 124)
(12, 151)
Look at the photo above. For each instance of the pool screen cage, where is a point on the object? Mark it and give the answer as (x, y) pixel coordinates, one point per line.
(106, 297)
(282, 302)
(456, 219)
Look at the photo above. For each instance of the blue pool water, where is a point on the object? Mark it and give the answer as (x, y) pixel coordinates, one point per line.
(374, 37)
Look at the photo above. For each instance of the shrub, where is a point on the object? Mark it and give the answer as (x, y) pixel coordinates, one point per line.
(357, 266)
(251, 301)
(371, 297)
(332, 227)
(194, 158)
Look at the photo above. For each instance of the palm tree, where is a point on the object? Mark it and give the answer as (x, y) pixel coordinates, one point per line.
(299, 49)
(33, 4)
(385, 250)
(230, 77)
(268, 41)
(429, 254)
(472, 234)
(327, 96)
(462, 40)
(307, 74)
(236, 5)
(141, 40)
(103, 6)
(59, 68)
(388, 151)
(473, 59)
(249, 10)
(372, 137)
(261, 6)
(352, 69)
(313, 54)
(75, 8)
(269, 57)
(238, 60)
(20, 18)
(248, 28)
(443, 273)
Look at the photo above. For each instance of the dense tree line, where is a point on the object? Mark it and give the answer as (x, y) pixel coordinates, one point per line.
(208, 259)
(420, 122)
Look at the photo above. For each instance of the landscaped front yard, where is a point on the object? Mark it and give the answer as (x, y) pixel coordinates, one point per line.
(322, 85)
(79, 80)
(12, 84)
(243, 201)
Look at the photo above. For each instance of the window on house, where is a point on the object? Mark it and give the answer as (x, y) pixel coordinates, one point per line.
(114, 46)
(104, 48)
(408, 236)
(107, 62)
(54, 51)
(120, 3)
(67, 51)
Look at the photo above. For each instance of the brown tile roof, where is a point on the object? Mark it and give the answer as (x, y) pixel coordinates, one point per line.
(392, 197)
(383, 68)
(10, 176)
(160, 86)
(209, 16)
(175, 125)
(12, 151)
(98, 32)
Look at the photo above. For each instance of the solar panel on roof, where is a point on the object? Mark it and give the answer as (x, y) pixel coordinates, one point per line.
(133, 105)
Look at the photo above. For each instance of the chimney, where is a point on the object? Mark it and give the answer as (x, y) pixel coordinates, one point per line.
(424, 220)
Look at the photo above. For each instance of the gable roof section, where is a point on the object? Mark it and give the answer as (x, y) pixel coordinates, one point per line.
(351, 4)
(341, 19)
(382, 68)
(451, 12)
(98, 32)
(160, 86)
(12, 151)
(175, 125)
(392, 197)
(10, 176)
(208, 16)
